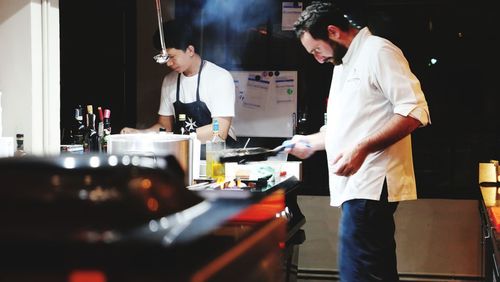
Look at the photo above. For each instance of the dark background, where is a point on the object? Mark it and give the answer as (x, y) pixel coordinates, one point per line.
(98, 59)
(98, 67)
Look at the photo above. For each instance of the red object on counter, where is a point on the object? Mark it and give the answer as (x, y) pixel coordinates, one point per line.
(264, 210)
(87, 276)
(494, 213)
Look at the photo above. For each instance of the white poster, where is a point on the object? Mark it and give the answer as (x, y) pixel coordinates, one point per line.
(289, 14)
(256, 94)
(266, 103)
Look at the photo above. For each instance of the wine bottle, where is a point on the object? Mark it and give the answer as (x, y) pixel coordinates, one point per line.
(92, 138)
(100, 125)
(106, 130)
(78, 128)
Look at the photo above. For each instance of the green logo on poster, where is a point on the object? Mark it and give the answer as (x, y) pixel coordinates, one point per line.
(289, 91)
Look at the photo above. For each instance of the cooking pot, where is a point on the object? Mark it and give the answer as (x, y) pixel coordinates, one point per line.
(156, 145)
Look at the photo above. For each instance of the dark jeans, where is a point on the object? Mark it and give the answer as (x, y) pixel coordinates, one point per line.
(367, 249)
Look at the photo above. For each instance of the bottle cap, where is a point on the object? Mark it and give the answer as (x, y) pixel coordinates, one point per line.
(78, 113)
(19, 135)
(107, 113)
(101, 116)
(215, 125)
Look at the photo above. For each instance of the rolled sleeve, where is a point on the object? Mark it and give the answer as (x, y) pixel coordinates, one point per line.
(400, 85)
(420, 114)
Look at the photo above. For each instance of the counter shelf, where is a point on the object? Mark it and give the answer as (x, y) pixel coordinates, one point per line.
(490, 241)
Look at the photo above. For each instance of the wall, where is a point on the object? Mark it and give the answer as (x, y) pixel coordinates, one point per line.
(461, 91)
(29, 74)
(98, 60)
(16, 79)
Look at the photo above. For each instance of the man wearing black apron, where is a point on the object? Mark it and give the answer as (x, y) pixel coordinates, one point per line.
(187, 94)
(196, 113)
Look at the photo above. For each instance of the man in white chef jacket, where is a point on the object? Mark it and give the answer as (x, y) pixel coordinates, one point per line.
(375, 102)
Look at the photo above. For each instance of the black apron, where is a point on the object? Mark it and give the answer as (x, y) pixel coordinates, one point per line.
(197, 113)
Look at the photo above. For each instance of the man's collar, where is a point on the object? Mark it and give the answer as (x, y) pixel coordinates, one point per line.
(355, 44)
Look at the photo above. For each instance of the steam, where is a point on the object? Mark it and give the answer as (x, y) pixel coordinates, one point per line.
(229, 27)
(241, 15)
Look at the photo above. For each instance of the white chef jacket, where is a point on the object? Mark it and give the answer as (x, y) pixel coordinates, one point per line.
(373, 83)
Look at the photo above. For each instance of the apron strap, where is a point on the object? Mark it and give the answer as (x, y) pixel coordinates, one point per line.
(178, 87)
(197, 83)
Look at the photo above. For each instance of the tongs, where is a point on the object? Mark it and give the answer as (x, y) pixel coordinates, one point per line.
(163, 57)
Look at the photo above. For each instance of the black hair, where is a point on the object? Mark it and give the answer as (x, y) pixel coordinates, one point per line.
(316, 18)
(178, 34)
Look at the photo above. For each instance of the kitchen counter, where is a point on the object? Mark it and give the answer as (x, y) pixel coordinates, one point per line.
(286, 186)
(216, 238)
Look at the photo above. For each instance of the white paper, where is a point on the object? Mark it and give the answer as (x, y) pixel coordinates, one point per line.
(240, 95)
(289, 14)
(196, 150)
(285, 89)
(274, 119)
(256, 94)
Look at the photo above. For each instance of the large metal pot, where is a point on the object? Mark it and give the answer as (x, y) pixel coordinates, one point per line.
(156, 145)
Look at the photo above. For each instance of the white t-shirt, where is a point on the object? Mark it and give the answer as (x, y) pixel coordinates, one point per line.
(373, 83)
(216, 90)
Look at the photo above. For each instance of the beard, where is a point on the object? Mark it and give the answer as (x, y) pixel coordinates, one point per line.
(339, 52)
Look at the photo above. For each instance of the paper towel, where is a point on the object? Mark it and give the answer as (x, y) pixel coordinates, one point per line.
(487, 172)
(0, 113)
(196, 151)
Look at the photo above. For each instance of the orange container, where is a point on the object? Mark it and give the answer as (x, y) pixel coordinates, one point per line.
(494, 213)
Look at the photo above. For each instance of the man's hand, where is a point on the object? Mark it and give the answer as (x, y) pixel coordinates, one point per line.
(349, 161)
(129, 130)
(301, 147)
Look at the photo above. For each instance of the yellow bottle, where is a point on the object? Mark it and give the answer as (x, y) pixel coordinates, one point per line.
(214, 147)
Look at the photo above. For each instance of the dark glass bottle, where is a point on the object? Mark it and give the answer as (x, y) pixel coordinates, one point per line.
(106, 130)
(302, 127)
(20, 145)
(91, 143)
(100, 124)
(78, 129)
